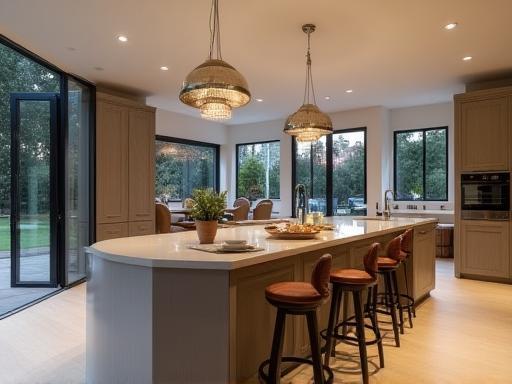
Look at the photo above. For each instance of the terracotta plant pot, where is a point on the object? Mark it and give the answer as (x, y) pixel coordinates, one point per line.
(206, 231)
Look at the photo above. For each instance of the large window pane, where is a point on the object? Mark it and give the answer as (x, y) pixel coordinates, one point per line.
(183, 167)
(310, 170)
(409, 165)
(77, 180)
(258, 170)
(349, 178)
(435, 171)
(421, 164)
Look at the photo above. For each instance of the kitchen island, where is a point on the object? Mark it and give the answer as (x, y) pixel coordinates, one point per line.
(160, 312)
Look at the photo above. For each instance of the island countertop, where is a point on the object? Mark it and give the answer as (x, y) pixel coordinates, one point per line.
(173, 250)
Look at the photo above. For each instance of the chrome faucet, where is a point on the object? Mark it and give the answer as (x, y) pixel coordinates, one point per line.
(387, 208)
(301, 203)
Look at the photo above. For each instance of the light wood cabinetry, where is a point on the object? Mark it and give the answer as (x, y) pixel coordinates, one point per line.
(484, 136)
(485, 248)
(111, 231)
(111, 163)
(424, 260)
(125, 134)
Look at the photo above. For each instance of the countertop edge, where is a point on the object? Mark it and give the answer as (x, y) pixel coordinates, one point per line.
(258, 259)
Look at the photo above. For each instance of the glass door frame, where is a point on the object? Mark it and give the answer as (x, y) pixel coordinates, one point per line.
(55, 211)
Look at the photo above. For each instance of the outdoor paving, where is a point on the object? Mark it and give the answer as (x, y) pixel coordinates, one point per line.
(34, 267)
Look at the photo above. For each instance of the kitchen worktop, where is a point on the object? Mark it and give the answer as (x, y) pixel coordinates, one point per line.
(173, 250)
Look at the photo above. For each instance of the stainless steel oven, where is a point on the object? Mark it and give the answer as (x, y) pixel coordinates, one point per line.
(485, 196)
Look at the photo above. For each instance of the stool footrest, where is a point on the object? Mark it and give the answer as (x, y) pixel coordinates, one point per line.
(350, 340)
(263, 377)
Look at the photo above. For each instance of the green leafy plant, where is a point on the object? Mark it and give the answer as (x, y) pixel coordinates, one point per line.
(209, 205)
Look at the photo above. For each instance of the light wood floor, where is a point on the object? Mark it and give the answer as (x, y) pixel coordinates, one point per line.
(463, 334)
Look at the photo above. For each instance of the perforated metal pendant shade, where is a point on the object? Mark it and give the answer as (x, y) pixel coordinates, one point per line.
(215, 87)
(308, 123)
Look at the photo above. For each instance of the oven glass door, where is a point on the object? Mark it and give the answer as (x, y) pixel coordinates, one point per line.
(485, 196)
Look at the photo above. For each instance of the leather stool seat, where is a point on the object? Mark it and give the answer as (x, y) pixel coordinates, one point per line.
(387, 262)
(293, 292)
(351, 276)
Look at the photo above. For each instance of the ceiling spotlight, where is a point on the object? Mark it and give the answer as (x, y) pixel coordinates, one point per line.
(122, 38)
(327, 97)
(164, 68)
(450, 26)
(259, 100)
(349, 91)
(467, 58)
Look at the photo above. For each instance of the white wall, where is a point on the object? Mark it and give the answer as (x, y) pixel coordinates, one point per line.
(192, 128)
(427, 116)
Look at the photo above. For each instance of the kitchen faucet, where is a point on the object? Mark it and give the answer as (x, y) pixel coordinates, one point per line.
(301, 203)
(387, 209)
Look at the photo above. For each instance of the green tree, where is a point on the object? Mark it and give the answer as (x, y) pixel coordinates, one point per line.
(251, 178)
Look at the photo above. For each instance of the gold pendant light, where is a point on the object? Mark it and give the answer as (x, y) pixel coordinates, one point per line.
(215, 87)
(308, 123)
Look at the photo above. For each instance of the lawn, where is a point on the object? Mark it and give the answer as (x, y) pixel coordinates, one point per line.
(35, 232)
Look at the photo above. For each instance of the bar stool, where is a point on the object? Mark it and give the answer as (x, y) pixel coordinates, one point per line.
(298, 298)
(389, 303)
(406, 251)
(355, 281)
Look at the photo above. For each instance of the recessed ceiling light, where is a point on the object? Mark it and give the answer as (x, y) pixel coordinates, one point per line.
(122, 38)
(164, 68)
(349, 91)
(450, 26)
(259, 100)
(327, 97)
(467, 58)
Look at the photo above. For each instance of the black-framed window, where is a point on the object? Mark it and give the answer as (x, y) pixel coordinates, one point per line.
(421, 164)
(258, 170)
(333, 169)
(184, 165)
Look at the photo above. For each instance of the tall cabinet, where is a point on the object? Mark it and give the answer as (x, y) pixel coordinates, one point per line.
(125, 166)
(483, 142)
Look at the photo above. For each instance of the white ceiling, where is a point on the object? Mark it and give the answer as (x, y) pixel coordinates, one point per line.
(393, 53)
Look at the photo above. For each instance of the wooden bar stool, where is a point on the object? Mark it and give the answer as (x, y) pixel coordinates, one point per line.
(355, 281)
(298, 298)
(389, 303)
(406, 301)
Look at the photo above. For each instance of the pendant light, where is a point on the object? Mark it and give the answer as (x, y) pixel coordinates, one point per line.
(308, 123)
(215, 87)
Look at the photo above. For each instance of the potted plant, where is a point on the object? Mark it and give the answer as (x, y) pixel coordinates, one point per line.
(207, 210)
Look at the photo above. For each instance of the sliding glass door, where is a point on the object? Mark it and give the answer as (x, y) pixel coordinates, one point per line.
(34, 211)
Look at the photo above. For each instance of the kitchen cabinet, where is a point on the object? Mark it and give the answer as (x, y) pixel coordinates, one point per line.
(485, 248)
(424, 260)
(125, 162)
(484, 134)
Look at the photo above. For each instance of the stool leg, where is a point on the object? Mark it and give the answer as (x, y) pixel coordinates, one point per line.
(274, 370)
(344, 328)
(315, 347)
(396, 299)
(408, 295)
(391, 307)
(360, 335)
(335, 306)
(375, 323)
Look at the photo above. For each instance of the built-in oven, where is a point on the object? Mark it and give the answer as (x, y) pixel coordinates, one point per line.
(485, 196)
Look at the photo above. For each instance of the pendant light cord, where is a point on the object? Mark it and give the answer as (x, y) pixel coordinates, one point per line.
(309, 87)
(215, 31)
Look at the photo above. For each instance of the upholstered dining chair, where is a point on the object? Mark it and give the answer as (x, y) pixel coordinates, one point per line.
(263, 210)
(163, 222)
(240, 210)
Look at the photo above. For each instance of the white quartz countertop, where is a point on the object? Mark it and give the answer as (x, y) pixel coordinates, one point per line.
(173, 250)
